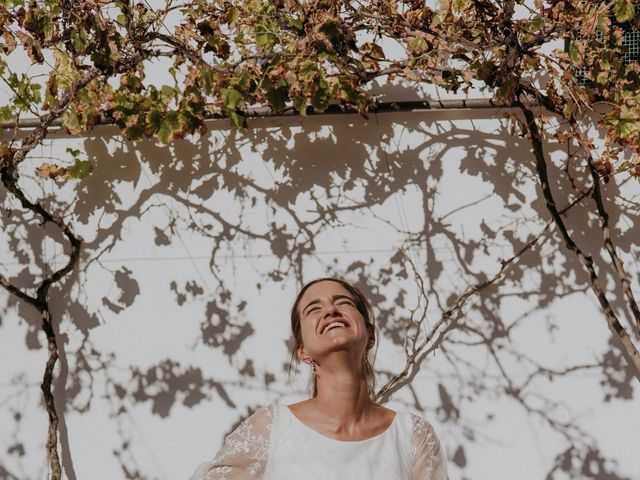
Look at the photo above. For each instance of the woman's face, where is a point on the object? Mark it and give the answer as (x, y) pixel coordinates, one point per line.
(330, 321)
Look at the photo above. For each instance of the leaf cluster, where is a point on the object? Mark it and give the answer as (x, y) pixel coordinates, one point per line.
(226, 57)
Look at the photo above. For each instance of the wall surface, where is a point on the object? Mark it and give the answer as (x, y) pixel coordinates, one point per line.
(175, 324)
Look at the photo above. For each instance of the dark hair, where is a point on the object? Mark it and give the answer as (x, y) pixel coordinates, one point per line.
(362, 304)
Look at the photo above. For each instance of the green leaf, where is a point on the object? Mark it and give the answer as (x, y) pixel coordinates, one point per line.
(80, 169)
(168, 92)
(300, 104)
(71, 121)
(624, 128)
(154, 120)
(207, 78)
(537, 23)
(602, 78)
(232, 15)
(459, 6)
(485, 70)
(38, 21)
(418, 45)
(375, 51)
(628, 115)
(506, 91)
(278, 96)
(170, 123)
(604, 23)
(194, 104)
(569, 109)
(265, 36)
(6, 113)
(350, 96)
(75, 153)
(321, 96)
(134, 133)
(172, 120)
(231, 98)
(188, 121)
(574, 52)
(78, 40)
(624, 10)
(331, 28)
(237, 120)
(295, 22)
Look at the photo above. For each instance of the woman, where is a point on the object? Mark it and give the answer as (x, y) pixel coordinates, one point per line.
(339, 433)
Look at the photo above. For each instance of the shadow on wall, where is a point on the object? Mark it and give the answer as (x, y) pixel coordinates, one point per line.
(321, 177)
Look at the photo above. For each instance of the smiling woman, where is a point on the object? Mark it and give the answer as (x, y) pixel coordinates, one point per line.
(339, 432)
(345, 297)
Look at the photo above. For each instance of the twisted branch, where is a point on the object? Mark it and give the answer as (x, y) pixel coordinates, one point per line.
(602, 211)
(9, 177)
(630, 349)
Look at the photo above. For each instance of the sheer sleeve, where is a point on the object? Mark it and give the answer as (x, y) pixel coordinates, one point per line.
(243, 455)
(429, 461)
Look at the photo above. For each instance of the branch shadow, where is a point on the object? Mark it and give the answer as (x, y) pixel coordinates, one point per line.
(282, 193)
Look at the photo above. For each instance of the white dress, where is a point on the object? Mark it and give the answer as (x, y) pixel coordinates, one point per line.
(273, 444)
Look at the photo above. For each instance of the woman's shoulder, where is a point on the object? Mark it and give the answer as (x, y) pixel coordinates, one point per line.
(269, 411)
(418, 429)
(260, 419)
(419, 424)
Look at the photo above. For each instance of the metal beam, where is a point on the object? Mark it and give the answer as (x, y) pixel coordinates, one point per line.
(382, 107)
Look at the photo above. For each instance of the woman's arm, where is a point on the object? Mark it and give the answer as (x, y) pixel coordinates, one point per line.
(244, 453)
(429, 461)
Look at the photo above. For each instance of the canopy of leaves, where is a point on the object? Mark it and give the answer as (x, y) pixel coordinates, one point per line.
(226, 56)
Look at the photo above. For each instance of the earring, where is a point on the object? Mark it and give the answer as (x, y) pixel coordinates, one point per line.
(370, 343)
(310, 361)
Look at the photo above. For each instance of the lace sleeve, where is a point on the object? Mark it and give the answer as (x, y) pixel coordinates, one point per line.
(243, 455)
(429, 461)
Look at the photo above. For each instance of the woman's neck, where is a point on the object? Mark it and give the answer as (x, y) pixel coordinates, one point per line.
(344, 393)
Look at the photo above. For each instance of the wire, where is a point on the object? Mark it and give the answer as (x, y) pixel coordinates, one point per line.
(169, 213)
(400, 207)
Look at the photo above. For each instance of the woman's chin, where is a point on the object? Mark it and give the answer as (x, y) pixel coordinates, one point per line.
(343, 343)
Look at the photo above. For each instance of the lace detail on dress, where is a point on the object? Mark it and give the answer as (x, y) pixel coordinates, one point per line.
(244, 453)
(272, 446)
(429, 462)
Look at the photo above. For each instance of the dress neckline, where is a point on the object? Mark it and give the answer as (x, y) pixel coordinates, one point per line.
(331, 439)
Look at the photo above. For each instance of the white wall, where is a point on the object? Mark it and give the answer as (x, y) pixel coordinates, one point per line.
(176, 322)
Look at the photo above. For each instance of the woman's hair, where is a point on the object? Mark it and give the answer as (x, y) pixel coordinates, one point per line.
(362, 304)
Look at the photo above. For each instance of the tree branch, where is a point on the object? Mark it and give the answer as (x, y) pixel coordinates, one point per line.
(415, 357)
(9, 177)
(419, 352)
(586, 260)
(602, 211)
